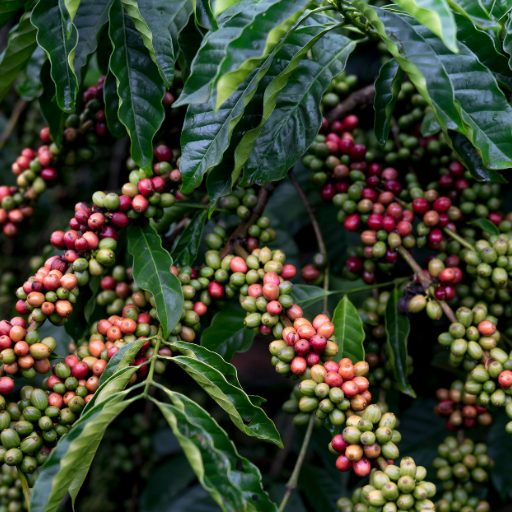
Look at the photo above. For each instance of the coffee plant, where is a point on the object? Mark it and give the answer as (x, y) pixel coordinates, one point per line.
(199, 206)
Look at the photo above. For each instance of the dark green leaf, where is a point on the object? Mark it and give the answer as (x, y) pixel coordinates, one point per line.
(139, 86)
(397, 331)
(156, 36)
(497, 8)
(152, 272)
(436, 16)
(158, 494)
(214, 458)
(227, 333)
(305, 295)
(196, 499)
(76, 324)
(91, 308)
(507, 40)
(473, 162)
(51, 112)
(9, 9)
(320, 489)
(218, 181)
(429, 125)
(51, 19)
(486, 47)
(486, 225)
(20, 47)
(293, 125)
(115, 126)
(500, 443)
(204, 15)
(190, 39)
(68, 464)
(475, 12)
(204, 366)
(348, 329)
(30, 86)
(387, 87)
(89, 21)
(176, 14)
(185, 252)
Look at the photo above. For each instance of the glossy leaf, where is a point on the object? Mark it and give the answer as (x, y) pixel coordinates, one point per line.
(474, 11)
(51, 112)
(306, 295)
(204, 15)
(115, 127)
(72, 7)
(155, 35)
(20, 47)
(52, 20)
(91, 306)
(9, 9)
(397, 331)
(204, 366)
(486, 48)
(437, 16)
(222, 5)
(89, 21)
(139, 86)
(185, 252)
(251, 47)
(497, 8)
(68, 464)
(30, 86)
(507, 40)
(429, 125)
(296, 47)
(387, 87)
(219, 181)
(348, 329)
(473, 162)
(152, 272)
(176, 14)
(214, 458)
(293, 125)
(227, 333)
(486, 225)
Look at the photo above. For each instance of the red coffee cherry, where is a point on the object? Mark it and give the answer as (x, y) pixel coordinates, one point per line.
(216, 290)
(505, 379)
(339, 444)
(362, 467)
(343, 464)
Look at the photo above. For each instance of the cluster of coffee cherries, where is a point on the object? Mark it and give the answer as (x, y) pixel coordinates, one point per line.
(291, 406)
(465, 463)
(305, 345)
(394, 488)
(365, 439)
(460, 408)
(339, 86)
(459, 499)
(468, 338)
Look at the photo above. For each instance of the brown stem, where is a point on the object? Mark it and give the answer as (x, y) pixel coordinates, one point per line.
(460, 436)
(358, 99)
(425, 281)
(13, 120)
(233, 244)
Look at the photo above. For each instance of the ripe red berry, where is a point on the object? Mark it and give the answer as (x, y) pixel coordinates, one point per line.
(288, 271)
(505, 379)
(351, 122)
(456, 169)
(216, 290)
(354, 264)
(302, 347)
(79, 370)
(339, 444)
(362, 467)
(145, 187)
(440, 293)
(298, 365)
(441, 204)
(327, 192)
(163, 153)
(352, 222)
(343, 464)
(420, 206)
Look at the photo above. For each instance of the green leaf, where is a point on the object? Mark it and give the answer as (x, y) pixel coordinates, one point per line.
(486, 225)
(52, 21)
(227, 333)
(89, 21)
(397, 331)
(348, 329)
(90, 309)
(306, 295)
(152, 272)
(500, 443)
(429, 125)
(20, 47)
(156, 36)
(507, 40)
(71, 7)
(214, 458)
(51, 112)
(387, 87)
(204, 15)
(185, 252)
(204, 366)
(486, 48)
(497, 8)
(111, 99)
(293, 125)
(250, 48)
(296, 47)
(9, 9)
(139, 86)
(223, 5)
(218, 181)
(473, 162)
(474, 11)
(437, 16)
(68, 464)
(176, 14)
(30, 85)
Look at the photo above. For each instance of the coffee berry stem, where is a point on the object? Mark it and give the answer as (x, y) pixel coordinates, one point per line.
(153, 362)
(459, 239)
(13, 120)
(25, 487)
(425, 281)
(375, 286)
(291, 485)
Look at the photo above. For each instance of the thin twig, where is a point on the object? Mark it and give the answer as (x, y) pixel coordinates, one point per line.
(292, 483)
(154, 357)
(13, 120)
(459, 239)
(358, 99)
